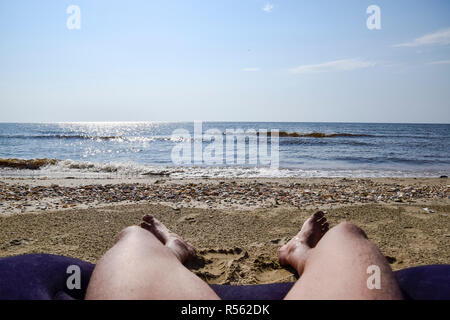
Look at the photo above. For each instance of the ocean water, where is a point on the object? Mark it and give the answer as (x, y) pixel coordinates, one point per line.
(305, 150)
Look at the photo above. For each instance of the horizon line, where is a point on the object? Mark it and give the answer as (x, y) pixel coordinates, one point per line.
(212, 121)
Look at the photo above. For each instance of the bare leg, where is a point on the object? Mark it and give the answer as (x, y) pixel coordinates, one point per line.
(147, 265)
(333, 264)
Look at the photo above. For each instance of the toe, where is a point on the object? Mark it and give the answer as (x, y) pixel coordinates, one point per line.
(322, 221)
(152, 228)
(146, 226)
(148, 218)
(157, 224)
(318, 215)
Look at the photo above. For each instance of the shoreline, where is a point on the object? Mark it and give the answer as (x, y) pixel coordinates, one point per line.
(20, 195)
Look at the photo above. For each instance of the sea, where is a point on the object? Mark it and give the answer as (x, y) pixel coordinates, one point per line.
(302, 150)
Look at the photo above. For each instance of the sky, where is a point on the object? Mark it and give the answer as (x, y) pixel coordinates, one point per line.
(234, 60)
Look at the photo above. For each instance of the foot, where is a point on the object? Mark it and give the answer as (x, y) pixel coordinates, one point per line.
(182, 249)
(295, 252)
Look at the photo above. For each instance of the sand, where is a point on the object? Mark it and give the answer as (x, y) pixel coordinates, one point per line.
(236, 245)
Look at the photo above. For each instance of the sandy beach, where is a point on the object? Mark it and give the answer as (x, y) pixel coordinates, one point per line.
(237, 225)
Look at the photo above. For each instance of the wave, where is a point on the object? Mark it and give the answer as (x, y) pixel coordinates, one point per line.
(324, 142)
(32, 164)
(88, 137)
(386, 160)
(320, 135)
(281, 134)
(49, 166)
(63, 136)
(285, 134)
(54, 168)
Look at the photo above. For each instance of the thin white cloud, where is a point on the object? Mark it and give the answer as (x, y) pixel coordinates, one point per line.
(251, 69)
(330, 66)
(437, 38)
(440, 62)
(268, 7)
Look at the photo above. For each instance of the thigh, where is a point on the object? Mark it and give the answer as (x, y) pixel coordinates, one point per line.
(139, 266)
(340, 266)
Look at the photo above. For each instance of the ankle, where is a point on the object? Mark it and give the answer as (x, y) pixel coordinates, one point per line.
(298, 263)
(295, 255)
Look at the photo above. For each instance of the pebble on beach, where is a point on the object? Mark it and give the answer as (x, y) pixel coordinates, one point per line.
(17, 197)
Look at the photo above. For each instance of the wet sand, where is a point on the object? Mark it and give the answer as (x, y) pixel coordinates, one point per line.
(236, 243)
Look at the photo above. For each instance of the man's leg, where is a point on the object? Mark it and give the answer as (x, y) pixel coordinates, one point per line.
(334, 264)
(147, 265)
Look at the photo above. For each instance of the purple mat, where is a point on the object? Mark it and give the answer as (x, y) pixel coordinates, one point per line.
(43, 276)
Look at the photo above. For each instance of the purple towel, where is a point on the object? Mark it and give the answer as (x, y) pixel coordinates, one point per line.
(43, 276)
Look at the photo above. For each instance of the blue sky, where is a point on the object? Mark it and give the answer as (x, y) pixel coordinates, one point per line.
(245, 60)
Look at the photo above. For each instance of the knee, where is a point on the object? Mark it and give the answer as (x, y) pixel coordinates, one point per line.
(130, 233)
(349, 228)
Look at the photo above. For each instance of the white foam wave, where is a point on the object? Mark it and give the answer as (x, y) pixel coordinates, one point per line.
(86, 169)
